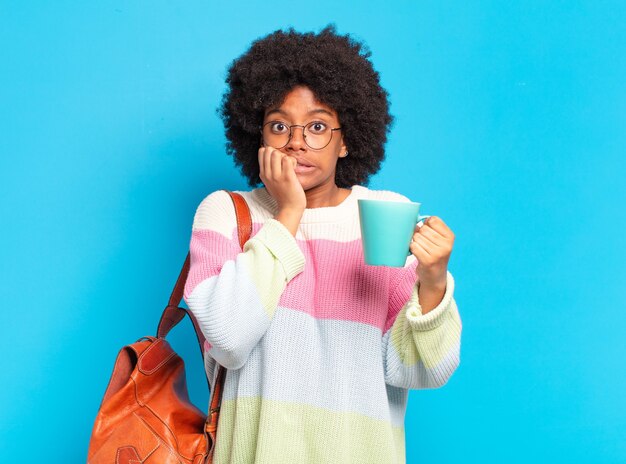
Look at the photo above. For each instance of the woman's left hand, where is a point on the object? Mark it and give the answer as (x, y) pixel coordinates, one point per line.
(432, 245)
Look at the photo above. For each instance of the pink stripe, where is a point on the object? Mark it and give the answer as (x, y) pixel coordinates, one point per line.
(335, 283)
(402, 293)
(209, 251)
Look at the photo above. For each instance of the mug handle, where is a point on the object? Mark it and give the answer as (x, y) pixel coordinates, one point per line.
(420, 218)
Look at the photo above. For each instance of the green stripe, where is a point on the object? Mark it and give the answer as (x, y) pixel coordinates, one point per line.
(434, 344)
(266, 431)
(276, 260)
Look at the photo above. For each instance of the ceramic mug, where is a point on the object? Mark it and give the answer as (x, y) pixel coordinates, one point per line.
(386, 230)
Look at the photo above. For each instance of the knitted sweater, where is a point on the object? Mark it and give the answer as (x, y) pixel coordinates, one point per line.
(320, 348)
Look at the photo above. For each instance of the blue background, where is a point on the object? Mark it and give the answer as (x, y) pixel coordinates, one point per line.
(510, 126)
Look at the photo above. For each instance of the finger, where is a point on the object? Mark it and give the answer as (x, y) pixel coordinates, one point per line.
(266, 168)
(428, 222)
(261, 166)
(268, 163)
(276, 163)
(418, 251)
(427, 225)
(288, 164)
(424, 243)
(433, 236)
(437, 224)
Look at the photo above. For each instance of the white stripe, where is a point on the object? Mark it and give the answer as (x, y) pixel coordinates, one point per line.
(216, 212)
(325, 363)
(230, 313)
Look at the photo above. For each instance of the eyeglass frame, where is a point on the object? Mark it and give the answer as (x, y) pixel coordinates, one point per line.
(332, 130)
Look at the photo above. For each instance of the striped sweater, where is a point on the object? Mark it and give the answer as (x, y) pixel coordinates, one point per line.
(321, 349)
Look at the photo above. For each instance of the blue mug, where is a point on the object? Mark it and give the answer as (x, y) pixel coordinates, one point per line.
(386, 230)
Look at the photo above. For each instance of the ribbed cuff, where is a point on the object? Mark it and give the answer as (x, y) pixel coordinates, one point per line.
(277, 238)
(435, 317)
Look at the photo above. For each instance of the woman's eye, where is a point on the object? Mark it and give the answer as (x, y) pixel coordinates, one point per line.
(317, 127)
(278, 127)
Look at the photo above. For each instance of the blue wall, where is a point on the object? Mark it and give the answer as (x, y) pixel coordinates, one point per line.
(510, 126)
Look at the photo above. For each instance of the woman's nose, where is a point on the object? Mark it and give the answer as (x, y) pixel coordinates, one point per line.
(297, 138)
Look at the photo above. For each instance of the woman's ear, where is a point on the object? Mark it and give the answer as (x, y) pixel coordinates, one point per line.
(343, 151)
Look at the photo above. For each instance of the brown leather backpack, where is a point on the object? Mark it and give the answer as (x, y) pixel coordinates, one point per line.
(145, 415)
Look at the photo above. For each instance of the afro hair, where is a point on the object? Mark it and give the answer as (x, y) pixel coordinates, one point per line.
(336, 69)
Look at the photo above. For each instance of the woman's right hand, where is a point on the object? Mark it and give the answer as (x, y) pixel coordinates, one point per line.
(277, 172)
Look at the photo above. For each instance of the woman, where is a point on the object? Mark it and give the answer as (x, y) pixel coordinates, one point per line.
(321, 349)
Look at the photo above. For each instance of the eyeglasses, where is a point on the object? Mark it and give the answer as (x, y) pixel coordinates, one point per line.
(317, 135)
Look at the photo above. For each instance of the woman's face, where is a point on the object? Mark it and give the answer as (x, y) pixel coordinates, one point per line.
(316, 167)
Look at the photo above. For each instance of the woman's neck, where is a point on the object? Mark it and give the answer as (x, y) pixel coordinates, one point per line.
(325, 195)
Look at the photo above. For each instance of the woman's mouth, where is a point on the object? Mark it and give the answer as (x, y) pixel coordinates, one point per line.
(303, 168)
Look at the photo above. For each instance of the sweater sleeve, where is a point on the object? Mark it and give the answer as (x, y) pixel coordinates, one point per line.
(234, 293)
(421, 350)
